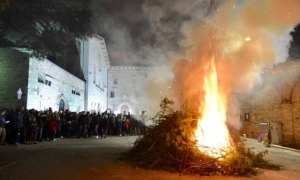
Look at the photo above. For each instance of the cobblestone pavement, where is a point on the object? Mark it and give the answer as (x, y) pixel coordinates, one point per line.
(70, 158)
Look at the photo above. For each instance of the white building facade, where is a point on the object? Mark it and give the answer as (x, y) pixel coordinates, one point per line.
(44, 84)
(127, 93)
(51, 86)
(94, 62)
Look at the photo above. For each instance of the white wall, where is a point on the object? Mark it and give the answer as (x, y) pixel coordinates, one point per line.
(42, 96)
(130, 88)
(95, 62)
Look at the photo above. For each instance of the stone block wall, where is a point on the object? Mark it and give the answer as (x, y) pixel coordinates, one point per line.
(55, 84)
(13, 75)
(277, 100)
(95, 62)
(127, 83)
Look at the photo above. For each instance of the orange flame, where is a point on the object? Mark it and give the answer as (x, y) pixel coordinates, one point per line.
(212, 133)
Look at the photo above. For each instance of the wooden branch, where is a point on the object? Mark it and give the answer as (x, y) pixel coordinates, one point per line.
(155, 162)
(152, 145)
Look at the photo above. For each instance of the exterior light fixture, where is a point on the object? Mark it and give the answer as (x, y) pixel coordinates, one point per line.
(19, 93)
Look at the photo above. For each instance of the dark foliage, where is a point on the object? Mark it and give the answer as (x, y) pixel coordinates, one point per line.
(45, 26)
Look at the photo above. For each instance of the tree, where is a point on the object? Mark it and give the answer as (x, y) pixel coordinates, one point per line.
(45, 26)
(4, 4)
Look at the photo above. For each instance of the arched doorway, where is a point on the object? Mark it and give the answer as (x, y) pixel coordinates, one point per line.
(61, 105)
(124, 108)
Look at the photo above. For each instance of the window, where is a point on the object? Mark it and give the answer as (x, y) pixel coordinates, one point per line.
(115, 80)
(76, 92)
(47, 82)
(40, 78)
(112, 94)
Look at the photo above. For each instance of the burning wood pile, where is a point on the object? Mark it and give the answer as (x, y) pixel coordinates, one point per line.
(225, 54)
(172, 145)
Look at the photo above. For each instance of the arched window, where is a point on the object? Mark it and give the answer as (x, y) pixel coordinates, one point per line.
(40, 78)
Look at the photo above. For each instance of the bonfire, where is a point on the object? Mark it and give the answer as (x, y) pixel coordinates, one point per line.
(197, 142)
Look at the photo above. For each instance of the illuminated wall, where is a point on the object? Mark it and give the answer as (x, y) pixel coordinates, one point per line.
(44, 84)
(276, 100)
(94, 62)
(126, 89)
(51, 86)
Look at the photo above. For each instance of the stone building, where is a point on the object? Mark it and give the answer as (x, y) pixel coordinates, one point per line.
(51, 86)
(126, 85)
(276, 101)
(44, 84)
(94, 63)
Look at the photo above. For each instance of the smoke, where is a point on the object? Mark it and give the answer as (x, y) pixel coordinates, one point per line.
(181, 37)
(139, 32)
(243, 38)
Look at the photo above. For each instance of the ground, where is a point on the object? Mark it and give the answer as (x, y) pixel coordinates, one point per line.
(99, 159)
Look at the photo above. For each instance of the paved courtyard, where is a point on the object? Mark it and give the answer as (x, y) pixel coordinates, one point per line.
(92, 158)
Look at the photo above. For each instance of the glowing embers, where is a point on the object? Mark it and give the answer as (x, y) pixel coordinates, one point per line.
(212, 134)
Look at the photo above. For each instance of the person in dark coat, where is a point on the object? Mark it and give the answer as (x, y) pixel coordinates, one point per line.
(47, 125)
(25, 128)
(83, 121)
(33, 129)
(89, 124)
(3, 122)
(18, 124)
(40, 123)
(119, 124)
(95, 125)
(59, 126)
(69, 127)
(105, 125)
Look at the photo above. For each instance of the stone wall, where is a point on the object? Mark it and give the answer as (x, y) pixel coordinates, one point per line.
(277, 100)
(44, 84)
(126, 89)
(94, 63)
(13, 75)
(49, 84)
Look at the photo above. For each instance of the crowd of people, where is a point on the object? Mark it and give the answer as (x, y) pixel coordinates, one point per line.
(22, 126)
